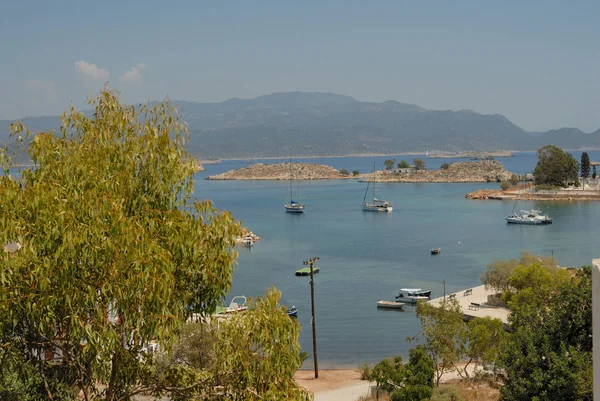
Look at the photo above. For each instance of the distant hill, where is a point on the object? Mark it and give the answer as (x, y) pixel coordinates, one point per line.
(319, 124)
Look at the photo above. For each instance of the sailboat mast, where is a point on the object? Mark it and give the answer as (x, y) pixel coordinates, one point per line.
(373, 181)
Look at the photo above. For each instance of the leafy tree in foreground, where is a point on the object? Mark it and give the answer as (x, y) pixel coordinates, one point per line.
(248, 356)
(411, 382)
(555, 167)
(419, 164)
(446, 335)
(403, 164)
(389, 164)
(548, 355)
(114, 253)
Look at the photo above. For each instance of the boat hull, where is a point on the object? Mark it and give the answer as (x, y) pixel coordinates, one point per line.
(376, 208)
(529, 222)
(411, 300)
(390, 305)
(295, 208)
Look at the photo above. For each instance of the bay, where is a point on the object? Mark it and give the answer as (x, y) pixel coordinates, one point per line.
(366, 257)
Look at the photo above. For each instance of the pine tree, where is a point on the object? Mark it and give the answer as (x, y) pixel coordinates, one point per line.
(585, 165)
(594, 173)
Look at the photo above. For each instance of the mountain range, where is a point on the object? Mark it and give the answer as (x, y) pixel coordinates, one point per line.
(322, 124)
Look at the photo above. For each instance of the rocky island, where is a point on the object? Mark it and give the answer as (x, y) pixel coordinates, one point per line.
(475, 171)
(281, 171)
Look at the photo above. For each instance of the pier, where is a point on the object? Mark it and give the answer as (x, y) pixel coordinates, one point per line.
(474, 303)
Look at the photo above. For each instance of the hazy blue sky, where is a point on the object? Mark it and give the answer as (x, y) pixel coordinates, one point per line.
(536, 62)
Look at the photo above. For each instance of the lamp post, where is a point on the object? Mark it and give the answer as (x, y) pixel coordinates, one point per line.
(310, 263)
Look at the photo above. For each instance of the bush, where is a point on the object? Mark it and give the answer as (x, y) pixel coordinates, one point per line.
(403, 164)
(504, 185)
(344, 172)
(445, 166)
(547, 188)
(446, 394)
(355, 172)
(514, 179)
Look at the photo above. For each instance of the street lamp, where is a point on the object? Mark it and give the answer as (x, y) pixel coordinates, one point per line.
(310, 263)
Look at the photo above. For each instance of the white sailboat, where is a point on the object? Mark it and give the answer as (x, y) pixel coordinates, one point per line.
(377, 205)
(293, 206)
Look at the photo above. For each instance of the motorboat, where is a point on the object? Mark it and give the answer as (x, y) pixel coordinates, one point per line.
(436, 251)
(413, 295)
(293, 312)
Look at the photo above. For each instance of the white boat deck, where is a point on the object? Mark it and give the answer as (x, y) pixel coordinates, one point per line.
(477, 295)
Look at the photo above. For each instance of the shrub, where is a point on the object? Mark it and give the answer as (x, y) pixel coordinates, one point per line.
(403, 164)
(344, 172)
(355, 172)
(445, 166)
(504, 185)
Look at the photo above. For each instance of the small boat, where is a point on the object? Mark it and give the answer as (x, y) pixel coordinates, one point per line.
(391, 305)
(436, 251)
(292, 312)
(413, 295)
(377, 205)
(248, 241)
(306, 271)
(238, 304)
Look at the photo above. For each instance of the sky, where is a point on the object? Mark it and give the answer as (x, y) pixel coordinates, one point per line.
(536, 62)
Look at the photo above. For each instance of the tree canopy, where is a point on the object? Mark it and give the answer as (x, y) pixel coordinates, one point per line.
(115, 252)
(555, 167)
(419, 163)
(585, 165)
(389, 164)
(403, 164)
(548, 355)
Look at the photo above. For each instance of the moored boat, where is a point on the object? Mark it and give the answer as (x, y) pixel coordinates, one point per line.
(413, 295)
(436, 251)
(377, 205)
(293, 312)
(391, 305)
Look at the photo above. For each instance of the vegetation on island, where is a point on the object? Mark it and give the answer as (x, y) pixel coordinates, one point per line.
(544, 353)
(403, 164)
(556, 167)
(115, 256)
(445, 166)
(389, 164)
(355, 172)
(419, 164)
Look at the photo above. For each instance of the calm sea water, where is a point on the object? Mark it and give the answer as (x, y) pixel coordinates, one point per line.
(365, 257)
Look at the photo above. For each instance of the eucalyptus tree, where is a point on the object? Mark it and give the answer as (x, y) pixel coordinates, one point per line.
(115, 253)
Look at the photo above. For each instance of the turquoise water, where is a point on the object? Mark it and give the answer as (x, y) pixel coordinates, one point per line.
(366, 257)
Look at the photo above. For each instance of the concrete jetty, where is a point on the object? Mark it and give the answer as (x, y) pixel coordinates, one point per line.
(474, 303)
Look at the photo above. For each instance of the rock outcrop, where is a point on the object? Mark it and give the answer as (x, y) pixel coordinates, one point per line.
(475, 171)
(281, 171)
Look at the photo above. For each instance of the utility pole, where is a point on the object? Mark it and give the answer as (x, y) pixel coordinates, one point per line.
(310, 263)
(444, 290)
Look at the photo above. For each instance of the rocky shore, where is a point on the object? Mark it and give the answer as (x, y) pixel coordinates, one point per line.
(560, 195)
(281, 171)
(475, 171)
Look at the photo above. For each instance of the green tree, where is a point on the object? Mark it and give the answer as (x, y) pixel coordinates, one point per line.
(403, 164)
(344, 172)
(594, 175)
(548, 354)
(445, 333)
(355, 172)
(419, 164)
(445, 166)
(411, 382)
(497, 274)
(389, 164)
(585, 165)
(486, 336)
(504, 185)
(115, 252)
(555, 167)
